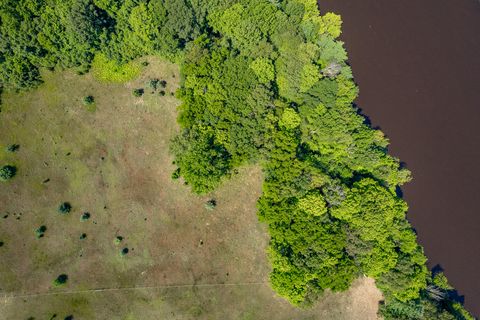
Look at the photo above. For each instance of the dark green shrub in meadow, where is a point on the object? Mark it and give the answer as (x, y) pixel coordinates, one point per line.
(13, 148)
(60, 280)
(85, 216)
(7, 172)
(162, 93)
(138, 92)
(124, 252)
(65, 208)
(88, 100)
(163, 83)
(40, 232)
(83, 236)
(118, 240)
(176, 174)
(153, 84)
(210, 204)
(2, 243)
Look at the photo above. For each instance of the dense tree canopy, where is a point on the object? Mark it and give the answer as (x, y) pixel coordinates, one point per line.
(267, 82)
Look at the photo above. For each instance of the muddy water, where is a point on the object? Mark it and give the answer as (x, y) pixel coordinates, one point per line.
(418, 67)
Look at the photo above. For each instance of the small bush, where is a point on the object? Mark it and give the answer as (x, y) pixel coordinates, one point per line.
(88, 100)
(163, 83)
(124, 252)
(153, 84)
(118, 240)
(7, 172)
(61, 280)
(70, 317)
(65, 208)
(161, 93)
(145, 63)
(40, 232)
(210, 204)
(138, 92)
(83, 236)
(2, 243)
(13, 148)
(85, 216)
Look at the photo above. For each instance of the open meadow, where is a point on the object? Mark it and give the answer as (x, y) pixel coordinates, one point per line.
(111, 159)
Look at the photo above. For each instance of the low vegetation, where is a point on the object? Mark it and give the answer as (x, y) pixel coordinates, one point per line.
(263, 82)
(7, 172)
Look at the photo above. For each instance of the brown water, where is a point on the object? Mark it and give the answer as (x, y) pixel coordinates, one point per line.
(418, 67)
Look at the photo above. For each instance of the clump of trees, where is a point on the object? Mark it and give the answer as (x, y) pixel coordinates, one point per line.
(262, 82)
(7, 172)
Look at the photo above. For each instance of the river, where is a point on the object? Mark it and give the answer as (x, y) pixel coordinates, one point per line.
(417, 64)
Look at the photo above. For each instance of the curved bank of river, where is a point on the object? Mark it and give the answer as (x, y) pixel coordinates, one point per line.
(418, 67)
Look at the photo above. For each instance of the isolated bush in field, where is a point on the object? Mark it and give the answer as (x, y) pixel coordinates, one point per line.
(163, 83)
(118, 240)
(124, 252)
(88, 100)
(7, 172)
(210, 204)
(161, 93)
(145, 63)
(70, 317)
(40, 232)
(2, 243)
(85, 216)
(153, 83)
(61, 280)
(13, 148)
(138, 92)
(83, 236)
(65, 208)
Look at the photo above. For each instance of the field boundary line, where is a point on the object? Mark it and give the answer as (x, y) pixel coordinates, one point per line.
(8, 296)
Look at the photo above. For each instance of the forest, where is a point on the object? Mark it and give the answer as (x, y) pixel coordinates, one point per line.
(264, 82)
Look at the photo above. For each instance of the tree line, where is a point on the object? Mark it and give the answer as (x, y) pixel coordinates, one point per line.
(265, 82)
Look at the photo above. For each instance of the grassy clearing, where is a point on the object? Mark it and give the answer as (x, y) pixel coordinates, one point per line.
(114, 164)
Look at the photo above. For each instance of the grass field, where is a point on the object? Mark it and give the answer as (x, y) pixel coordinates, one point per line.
(112, 161)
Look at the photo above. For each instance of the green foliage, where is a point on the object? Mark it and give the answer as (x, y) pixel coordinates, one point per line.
(85, 216)
(211, 204)
(290, 119)
(263, 69)
(7, 172)
(60, 280)
(40, 232)
(88, 100)
(138, 92)
(65, 208)
(13, 148)
(107, 70)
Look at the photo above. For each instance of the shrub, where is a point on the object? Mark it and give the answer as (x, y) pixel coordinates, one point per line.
(118, 240)
(7, 172)
(162, 93)
(70, 317)
(88, 100)
(145, 63)
(40, 232)
(210, 204)
(83, 236)
(65, 208)
(85, 216)
(61, 280)
(163, 83)
(13, 148)
(124, 252)
(153, 83)
(138, 92)
(2, 243)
